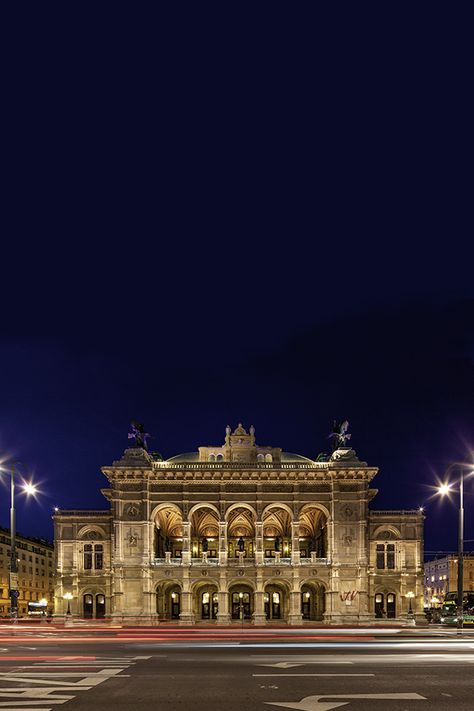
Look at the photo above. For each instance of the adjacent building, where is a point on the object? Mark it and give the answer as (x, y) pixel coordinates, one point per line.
(441, 577)
(239, 530)
(35, 574)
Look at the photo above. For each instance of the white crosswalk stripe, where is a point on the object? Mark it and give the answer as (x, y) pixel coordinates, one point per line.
(40, 686)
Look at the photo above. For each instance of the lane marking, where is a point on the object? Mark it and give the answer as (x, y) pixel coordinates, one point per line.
(313, 703)
(289, 665)
(45, 688)
(277, 675)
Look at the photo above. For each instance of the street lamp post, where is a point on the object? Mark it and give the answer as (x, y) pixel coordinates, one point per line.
(68, 596)
(461, 552)
(13, 579)
(241, 602)
(13, 558)
(410, 595)
(443, 490)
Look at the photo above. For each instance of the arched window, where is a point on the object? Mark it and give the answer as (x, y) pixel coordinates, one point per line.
(212, 457)
(220, 457)
(260, 457)
(88, 556)
(268, 458)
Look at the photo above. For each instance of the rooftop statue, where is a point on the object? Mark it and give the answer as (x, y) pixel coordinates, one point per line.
(139, 435)
(339, 434)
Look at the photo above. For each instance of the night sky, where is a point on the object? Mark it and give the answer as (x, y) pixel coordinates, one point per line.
(270, 224)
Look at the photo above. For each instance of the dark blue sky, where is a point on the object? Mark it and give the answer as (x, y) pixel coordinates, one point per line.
(271, 224)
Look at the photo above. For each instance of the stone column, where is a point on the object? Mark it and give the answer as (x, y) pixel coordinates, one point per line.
(186, 616)
(223, 616)
(151, 540)
(186, 554)
(259, 543)
(222, 545)
(296, 616)
(258, 602)
(295, 543)
(259, 608)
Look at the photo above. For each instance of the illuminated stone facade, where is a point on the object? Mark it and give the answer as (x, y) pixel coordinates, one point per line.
(240, 530)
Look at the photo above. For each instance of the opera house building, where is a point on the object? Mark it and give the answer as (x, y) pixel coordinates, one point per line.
(239, 532)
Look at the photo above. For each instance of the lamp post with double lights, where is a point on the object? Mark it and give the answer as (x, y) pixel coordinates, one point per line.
(29, 489)
(443, 490)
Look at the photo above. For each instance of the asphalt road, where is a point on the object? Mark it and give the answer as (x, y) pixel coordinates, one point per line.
(125, 670)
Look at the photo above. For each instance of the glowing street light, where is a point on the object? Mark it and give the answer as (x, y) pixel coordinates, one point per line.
(410, 595)
(444, 489)
(30, 489)
(68, 596)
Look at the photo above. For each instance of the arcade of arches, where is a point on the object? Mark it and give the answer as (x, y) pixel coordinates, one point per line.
(278, 535)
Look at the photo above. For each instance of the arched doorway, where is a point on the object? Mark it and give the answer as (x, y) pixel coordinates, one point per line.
(313, 600)
(209, 605)
(385, 605)
(391, 605)
(88, 606)
(93, 605)
(206, 601)
(274, 602)
(241, 602)
(175, 605)
(379, 605)
(168, 600)
(100, 606)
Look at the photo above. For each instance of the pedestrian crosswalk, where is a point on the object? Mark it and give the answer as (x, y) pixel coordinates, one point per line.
(45, 684)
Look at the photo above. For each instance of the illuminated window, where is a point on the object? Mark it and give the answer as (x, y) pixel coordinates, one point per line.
(98, 557)
(385, 556)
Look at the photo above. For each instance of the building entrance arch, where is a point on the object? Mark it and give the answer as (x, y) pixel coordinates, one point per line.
(93, 605)
(274, 602)
(313, 600)
(385, 605)
(241, 602)
(206, 601)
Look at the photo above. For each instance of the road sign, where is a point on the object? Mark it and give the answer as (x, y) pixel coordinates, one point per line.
(13, 581)
(313, 703)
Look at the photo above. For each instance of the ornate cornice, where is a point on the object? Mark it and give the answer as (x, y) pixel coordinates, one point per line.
(236, 474)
